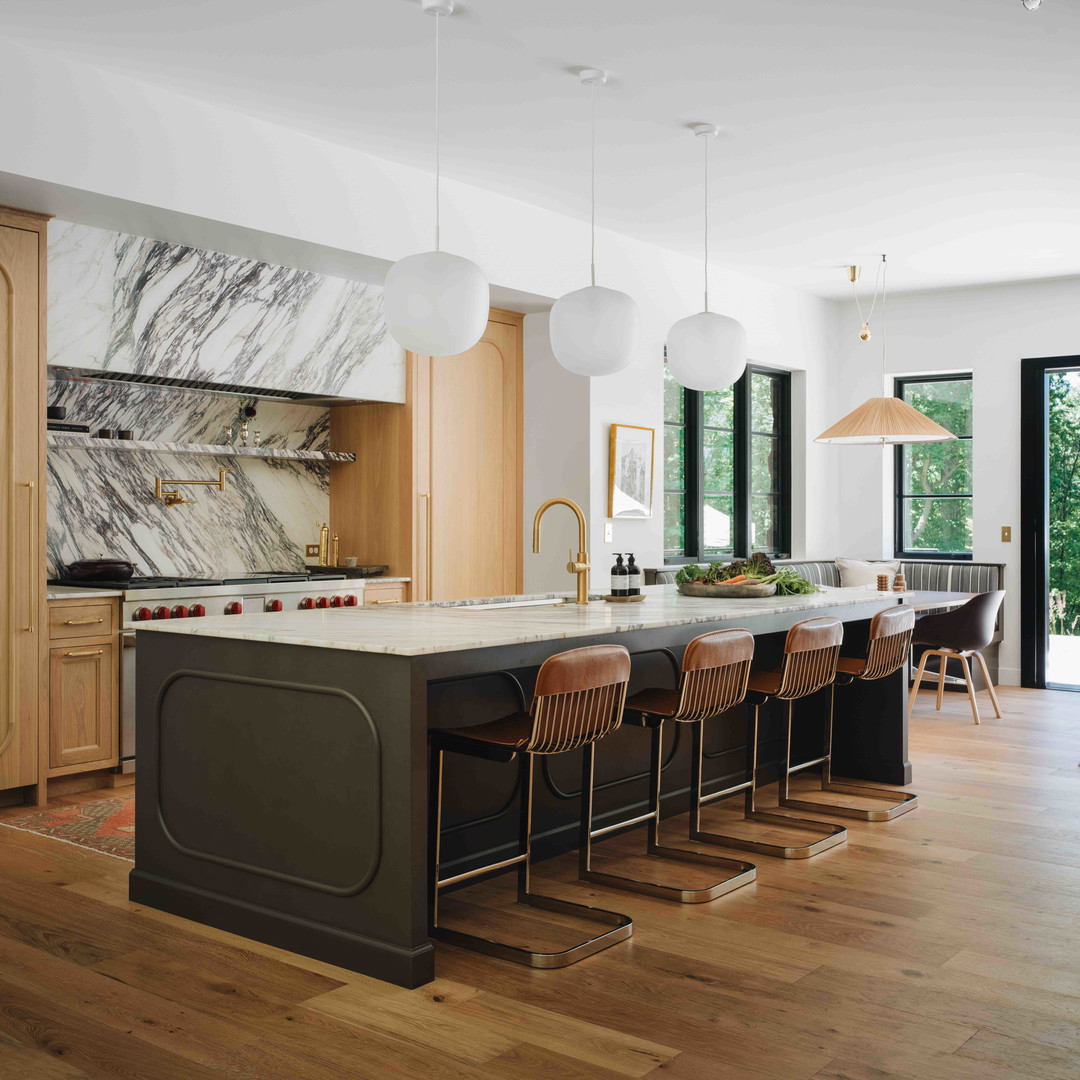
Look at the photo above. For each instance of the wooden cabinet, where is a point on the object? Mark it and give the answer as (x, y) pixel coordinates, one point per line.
(435, 492)
(22, 493)
(390, 593)
(84, 686)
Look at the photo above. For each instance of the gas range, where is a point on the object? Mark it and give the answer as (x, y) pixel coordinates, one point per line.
(155, 598)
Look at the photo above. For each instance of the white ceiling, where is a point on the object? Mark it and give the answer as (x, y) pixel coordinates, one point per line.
(943, 133)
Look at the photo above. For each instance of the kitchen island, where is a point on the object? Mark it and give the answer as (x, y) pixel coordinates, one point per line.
(283, 785)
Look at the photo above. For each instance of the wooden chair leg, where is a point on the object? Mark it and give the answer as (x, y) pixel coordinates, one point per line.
(970, 687)
(943, 666)
(917, 682)
(989, 684)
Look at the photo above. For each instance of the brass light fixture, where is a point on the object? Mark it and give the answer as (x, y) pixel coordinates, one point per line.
(885, 420)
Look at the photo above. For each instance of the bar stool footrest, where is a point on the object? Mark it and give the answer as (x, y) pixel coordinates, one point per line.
(621, 928)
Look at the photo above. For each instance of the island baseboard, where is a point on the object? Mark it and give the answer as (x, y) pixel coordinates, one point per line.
(355, 952)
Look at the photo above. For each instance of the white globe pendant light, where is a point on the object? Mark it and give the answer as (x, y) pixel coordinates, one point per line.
(594, 331)
(435, 303)
(706, 351)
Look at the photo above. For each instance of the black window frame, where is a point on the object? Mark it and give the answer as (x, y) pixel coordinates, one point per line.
(693, 468)
(899, 496)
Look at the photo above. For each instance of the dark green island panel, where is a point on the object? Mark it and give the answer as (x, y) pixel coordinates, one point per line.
(282, 790)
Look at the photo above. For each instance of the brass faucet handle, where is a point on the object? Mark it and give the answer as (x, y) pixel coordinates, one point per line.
(578, 564)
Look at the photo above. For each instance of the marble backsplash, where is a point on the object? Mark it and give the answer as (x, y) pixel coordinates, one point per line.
(102, 502)
(129, 304)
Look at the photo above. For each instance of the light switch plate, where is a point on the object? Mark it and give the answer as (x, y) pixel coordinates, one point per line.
(311, 551)
(607, 532)
(1006, 534)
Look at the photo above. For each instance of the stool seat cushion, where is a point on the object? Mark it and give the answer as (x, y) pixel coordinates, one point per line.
(764, 682)
(656, 701)
(850, 665)
(498, 740)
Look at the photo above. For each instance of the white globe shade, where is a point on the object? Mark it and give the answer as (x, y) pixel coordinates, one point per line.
(706, 351)
(436, 304)
(594, 331)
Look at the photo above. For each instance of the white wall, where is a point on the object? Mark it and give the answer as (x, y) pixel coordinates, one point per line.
(986, 331)
(254, 188)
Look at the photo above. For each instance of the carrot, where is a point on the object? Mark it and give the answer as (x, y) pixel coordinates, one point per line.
(733, 581)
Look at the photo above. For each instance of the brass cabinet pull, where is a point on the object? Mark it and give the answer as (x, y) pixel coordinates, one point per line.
(81, 622)
(386, 601)
(31, 559)
(427, 540)
(84, 652)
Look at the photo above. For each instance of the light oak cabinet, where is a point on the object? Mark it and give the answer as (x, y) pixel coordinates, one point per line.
(435, 492)
(391, 593)
(84, 686)
(22, 493)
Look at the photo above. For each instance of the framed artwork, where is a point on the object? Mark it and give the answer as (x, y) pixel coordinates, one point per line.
(630, 471)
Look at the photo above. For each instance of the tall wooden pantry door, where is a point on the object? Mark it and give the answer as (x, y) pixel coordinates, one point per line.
(470, 536)
(22, 495)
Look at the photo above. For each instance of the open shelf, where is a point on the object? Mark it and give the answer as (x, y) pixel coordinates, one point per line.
(66, 440)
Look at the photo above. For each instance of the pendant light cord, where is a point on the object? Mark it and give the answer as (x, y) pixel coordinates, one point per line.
(884, 336)
(706, 142)
(873, 303)
(438, 19)
(592, 193)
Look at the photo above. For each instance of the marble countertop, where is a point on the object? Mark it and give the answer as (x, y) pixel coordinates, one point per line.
(74, 592)
(419, 629)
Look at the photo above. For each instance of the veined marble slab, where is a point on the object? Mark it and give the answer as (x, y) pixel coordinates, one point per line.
(126, 303)
(419, 629)
(74, 592)
(61, 440)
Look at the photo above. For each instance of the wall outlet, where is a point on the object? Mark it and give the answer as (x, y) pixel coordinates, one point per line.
(1006, 534)
(311, 551)
(607, 532)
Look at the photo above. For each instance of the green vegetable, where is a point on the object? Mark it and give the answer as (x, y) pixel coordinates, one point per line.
(758, 568)
(789, 583)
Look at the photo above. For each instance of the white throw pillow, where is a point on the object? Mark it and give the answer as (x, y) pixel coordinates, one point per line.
(858, 573)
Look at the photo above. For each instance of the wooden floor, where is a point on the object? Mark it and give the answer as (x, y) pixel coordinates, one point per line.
(941, 946)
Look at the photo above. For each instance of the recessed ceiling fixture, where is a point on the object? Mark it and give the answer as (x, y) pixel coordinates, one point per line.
(884, 420)
(706, 351)
(435, 303)
(594, 331)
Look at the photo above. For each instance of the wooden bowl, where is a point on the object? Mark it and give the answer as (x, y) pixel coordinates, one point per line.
(740, 591)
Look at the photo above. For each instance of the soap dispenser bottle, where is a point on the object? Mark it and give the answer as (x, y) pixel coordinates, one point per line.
(620, 578)
(634, 576)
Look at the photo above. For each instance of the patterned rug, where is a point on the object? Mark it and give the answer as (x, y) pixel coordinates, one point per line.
(106, 825)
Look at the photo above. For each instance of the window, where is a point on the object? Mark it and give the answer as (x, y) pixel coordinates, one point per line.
(933, 480)
(726, 468)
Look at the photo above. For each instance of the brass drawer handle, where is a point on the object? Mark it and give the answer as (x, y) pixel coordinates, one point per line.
(84, 652)
(81, 622)
(386, 601)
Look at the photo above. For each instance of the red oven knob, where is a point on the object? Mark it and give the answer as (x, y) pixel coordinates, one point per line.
(323, 602)
(162, 612)
(274, 605)
(337, 601)
(351, 601)
(142, 614)
(234, 608)
(307, 604)
(196, 611)
(180, 612)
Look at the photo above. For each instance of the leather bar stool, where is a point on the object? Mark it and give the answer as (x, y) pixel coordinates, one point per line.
(887, 651)
(959, 635)
(712, 679)
(579, 698)
(808, 665)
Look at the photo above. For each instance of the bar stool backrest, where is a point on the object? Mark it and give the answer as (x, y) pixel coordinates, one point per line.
(579, 698)
(810, 654)
(715, 668)
(890, 642)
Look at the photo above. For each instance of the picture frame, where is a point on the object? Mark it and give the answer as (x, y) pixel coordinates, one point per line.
(630, 471)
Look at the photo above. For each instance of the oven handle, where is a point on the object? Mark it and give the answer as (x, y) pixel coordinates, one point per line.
(127, 638)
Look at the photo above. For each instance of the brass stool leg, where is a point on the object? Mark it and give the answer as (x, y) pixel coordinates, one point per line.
(833, 834)
(744, 872)
(621, 925)
(902, 801)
